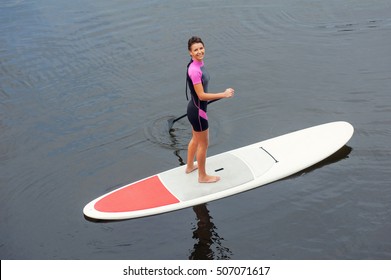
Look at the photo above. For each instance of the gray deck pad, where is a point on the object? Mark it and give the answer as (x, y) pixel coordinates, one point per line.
(232, 170)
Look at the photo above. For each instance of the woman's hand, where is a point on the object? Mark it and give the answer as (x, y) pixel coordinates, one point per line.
(229, 92)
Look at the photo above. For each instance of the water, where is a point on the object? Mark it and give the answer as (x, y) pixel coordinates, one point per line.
(87, 87)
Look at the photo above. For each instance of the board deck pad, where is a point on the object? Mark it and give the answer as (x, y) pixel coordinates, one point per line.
(232, 170)
(240, 170)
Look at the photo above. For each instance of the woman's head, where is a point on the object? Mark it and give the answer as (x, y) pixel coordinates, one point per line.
(194, 40)
(196, 48)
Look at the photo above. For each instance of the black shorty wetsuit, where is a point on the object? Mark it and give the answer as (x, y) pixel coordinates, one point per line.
(196, 109)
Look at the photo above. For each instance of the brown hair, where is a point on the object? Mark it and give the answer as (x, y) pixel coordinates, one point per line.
(194, 40)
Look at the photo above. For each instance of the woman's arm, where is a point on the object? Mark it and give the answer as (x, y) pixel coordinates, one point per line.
(203, 96)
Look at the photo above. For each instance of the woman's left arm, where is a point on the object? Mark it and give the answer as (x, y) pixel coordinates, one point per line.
(203, 96)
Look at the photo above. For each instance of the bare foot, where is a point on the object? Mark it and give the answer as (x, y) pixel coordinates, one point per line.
(190, 169)
(208, 179)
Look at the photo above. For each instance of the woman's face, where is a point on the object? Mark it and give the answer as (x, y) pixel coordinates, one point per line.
(197, 51)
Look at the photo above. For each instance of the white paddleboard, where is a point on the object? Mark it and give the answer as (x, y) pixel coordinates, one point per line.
(240, 170)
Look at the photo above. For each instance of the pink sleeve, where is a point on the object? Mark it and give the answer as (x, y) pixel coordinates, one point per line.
(195, 75)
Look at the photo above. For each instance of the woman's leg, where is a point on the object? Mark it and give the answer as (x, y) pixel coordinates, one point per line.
(202, 140)
(191, 152)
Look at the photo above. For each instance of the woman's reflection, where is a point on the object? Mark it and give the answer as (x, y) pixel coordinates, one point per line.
(207, 238)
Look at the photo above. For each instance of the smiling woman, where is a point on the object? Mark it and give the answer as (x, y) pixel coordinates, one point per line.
(197, 80)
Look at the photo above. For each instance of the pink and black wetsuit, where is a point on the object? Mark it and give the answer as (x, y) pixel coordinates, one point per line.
(196, 109)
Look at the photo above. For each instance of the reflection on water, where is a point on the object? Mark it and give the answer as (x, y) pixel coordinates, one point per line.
(209, 245)
(341, 154)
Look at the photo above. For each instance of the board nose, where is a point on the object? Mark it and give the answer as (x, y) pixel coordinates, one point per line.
(144, 194)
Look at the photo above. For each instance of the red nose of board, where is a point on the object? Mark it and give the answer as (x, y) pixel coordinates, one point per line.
(145, 194)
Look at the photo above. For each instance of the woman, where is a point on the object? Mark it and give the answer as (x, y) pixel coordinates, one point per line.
(197, 80)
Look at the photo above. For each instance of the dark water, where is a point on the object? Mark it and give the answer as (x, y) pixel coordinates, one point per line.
(86, 88)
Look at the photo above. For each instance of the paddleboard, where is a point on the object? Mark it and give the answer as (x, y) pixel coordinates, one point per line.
(240, 170)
